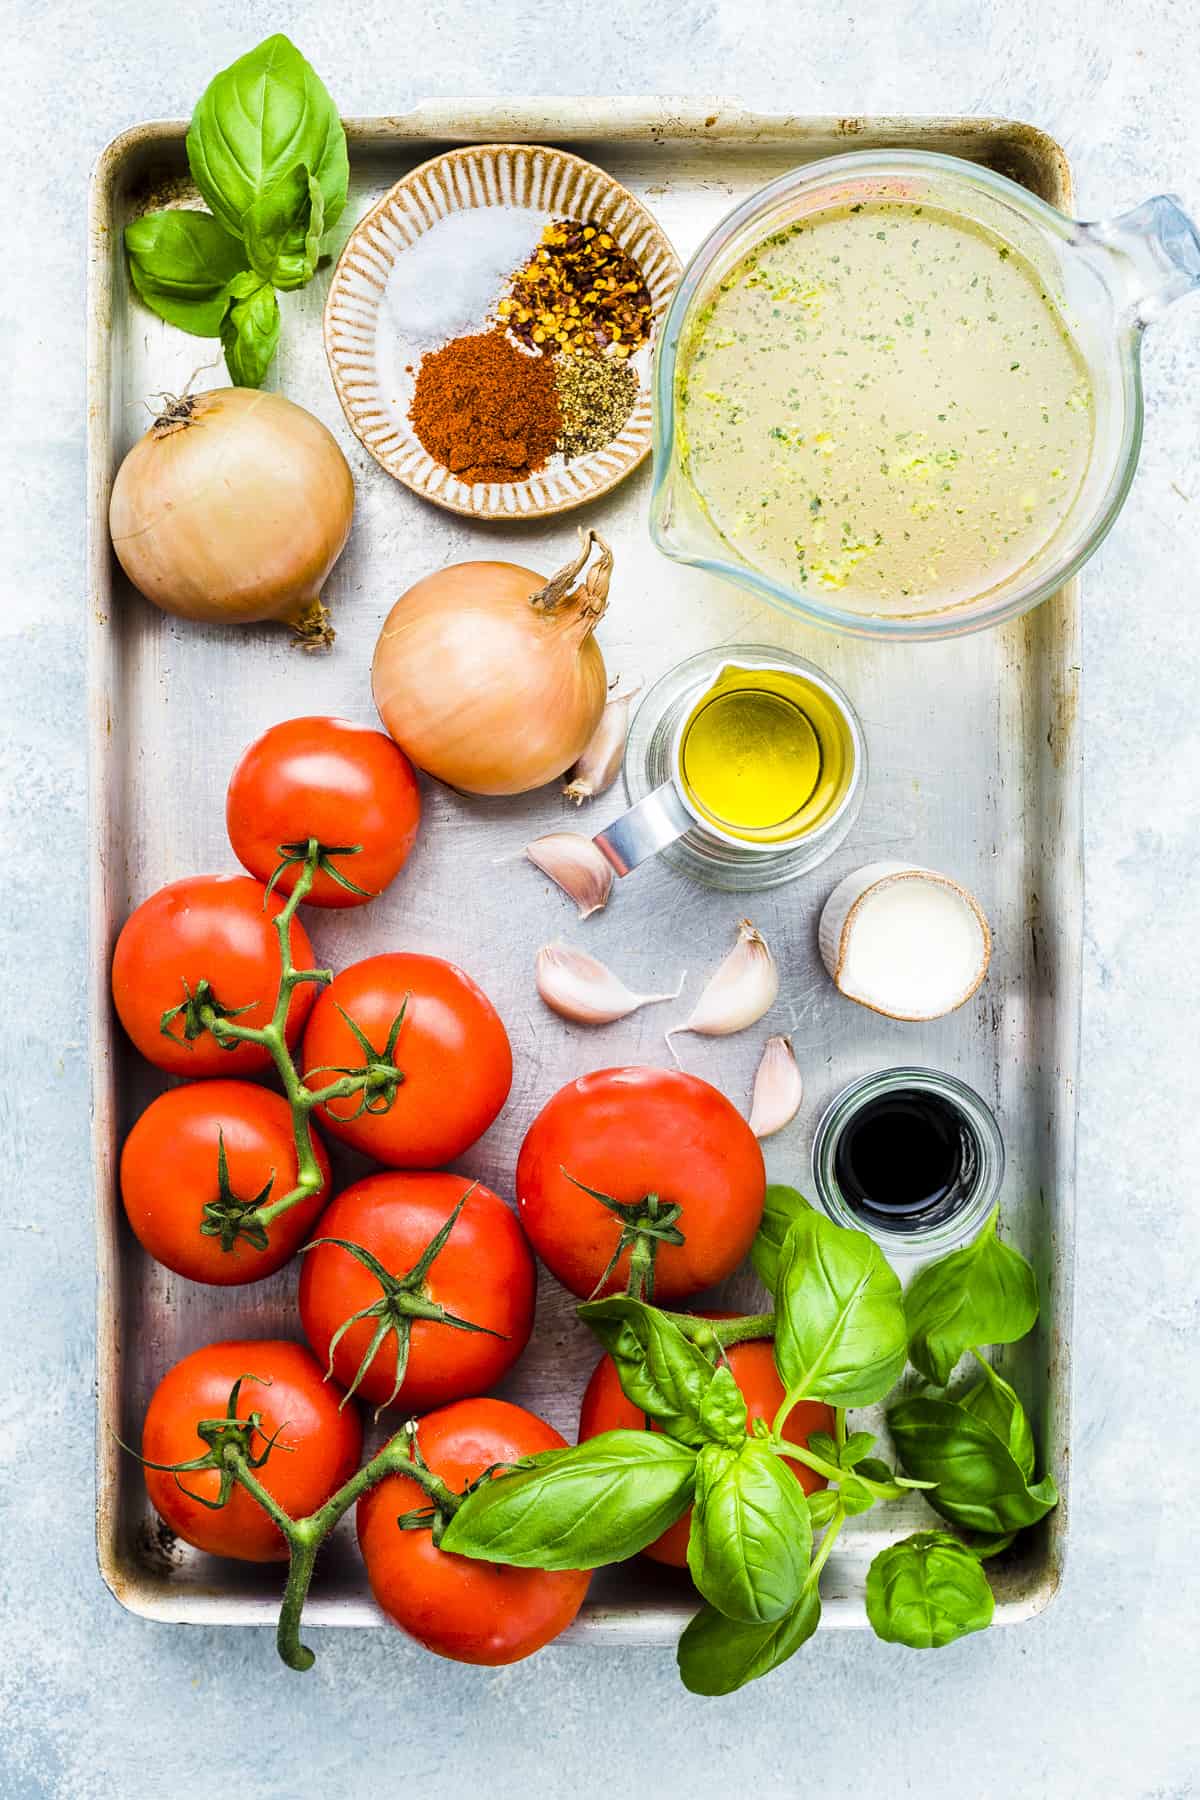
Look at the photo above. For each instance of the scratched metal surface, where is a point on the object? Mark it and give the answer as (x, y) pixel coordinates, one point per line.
(975, 768)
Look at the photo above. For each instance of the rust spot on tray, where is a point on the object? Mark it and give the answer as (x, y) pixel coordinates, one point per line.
(849, 127)
(1064, 707)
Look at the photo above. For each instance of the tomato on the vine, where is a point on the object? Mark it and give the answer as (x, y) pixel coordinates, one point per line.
(605, 1408)
(482, 1276)
(349, 787)
(473, 1612)
(196, 1160)
(440, 1055)
(317, 1448)
(206, 940)
(680, 1172)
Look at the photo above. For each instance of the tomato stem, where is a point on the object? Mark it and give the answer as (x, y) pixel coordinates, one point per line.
(725, 1332)
(202, 1012)
(305, 1536)
(403, 1298)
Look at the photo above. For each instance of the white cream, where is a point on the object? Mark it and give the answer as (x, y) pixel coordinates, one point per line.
(904, 941)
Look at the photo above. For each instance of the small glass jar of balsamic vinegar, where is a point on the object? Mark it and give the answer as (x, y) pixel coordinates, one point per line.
(913, 1157)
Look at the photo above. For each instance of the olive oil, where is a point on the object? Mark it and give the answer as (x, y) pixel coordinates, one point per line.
(765, 755)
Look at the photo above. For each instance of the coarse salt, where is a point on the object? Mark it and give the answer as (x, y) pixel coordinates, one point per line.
(447, 282)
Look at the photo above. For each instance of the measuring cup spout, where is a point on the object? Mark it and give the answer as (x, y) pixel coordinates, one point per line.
(1156, 248)
(645, 829)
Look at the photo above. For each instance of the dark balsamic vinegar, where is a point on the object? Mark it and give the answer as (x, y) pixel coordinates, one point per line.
(906, 1160)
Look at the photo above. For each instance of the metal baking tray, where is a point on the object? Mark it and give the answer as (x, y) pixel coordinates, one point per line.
(975, 760)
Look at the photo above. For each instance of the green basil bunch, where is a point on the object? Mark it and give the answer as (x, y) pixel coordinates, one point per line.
(842, 1334)
(268, 153)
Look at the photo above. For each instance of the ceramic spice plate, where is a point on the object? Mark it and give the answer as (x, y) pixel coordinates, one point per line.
(384, 312)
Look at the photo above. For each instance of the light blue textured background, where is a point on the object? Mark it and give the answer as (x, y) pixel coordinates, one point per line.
(1101, 1696)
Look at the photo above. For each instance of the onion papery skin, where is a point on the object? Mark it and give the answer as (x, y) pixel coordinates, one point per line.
(483, 689)
(232, 509)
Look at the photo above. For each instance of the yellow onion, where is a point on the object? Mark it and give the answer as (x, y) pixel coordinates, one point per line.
(232, 509)
(489, 677)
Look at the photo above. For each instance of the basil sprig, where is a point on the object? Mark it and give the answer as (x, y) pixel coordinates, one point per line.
(978, 1482)
(575, 1509)
(781, 1208)
(839, 1329)
(257, 120)
(985, 1293)
(268, 153)
(996, 1403)
(841, 1335)
(926, 1591)
(661, 1371)
(751, 1537)
(717, 1655)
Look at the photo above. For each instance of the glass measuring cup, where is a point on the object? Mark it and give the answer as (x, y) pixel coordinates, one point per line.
(1108, 280)
(669, 815)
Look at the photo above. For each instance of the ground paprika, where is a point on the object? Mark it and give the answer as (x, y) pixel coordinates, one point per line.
(485, 410)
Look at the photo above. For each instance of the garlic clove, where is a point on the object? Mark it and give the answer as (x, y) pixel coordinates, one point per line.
(574, 863)
(600, 763)
(778, 1089)
(579, 988)
(905, 941)
(742, 990)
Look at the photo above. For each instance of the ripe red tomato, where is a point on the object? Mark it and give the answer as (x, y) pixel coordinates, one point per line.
(630, 1134)
(212, 928)
(452, 1050)
(484, 1273)
(472, 1612)
(170, 1173)
(322, 778)
(318, 1448)
(605, 1408)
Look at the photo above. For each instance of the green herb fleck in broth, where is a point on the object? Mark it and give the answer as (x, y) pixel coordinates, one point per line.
(892, 409)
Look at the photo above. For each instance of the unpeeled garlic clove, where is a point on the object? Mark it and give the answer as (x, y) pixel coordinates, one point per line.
(574, 863)
(778, 1089)
(600, 763)
(579, 988)
(742, 990)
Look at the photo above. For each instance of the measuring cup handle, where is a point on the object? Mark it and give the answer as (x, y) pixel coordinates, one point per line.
(645, 829)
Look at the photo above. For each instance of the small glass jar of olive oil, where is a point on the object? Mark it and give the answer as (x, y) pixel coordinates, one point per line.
(745, 767)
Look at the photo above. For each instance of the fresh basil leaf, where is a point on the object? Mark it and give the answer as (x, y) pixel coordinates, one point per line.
(283, 230)
(660, 1370)
(180, 262)
(857, 1445)
(598, 1503)
(751, 1537)
(723, 1411)
(255, 121)
(873, 1468)
(781, 1208)
(979, 1483)
(927, 1591)
(995, 1402)
(855, 1497)
(840, 1333)
(250, 336)
(983, 1547)
(717, 1655)
(821, 1444)
(821, 1507)
(985, 1293)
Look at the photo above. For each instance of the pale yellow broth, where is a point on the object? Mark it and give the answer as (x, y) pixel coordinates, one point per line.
(883, 404)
